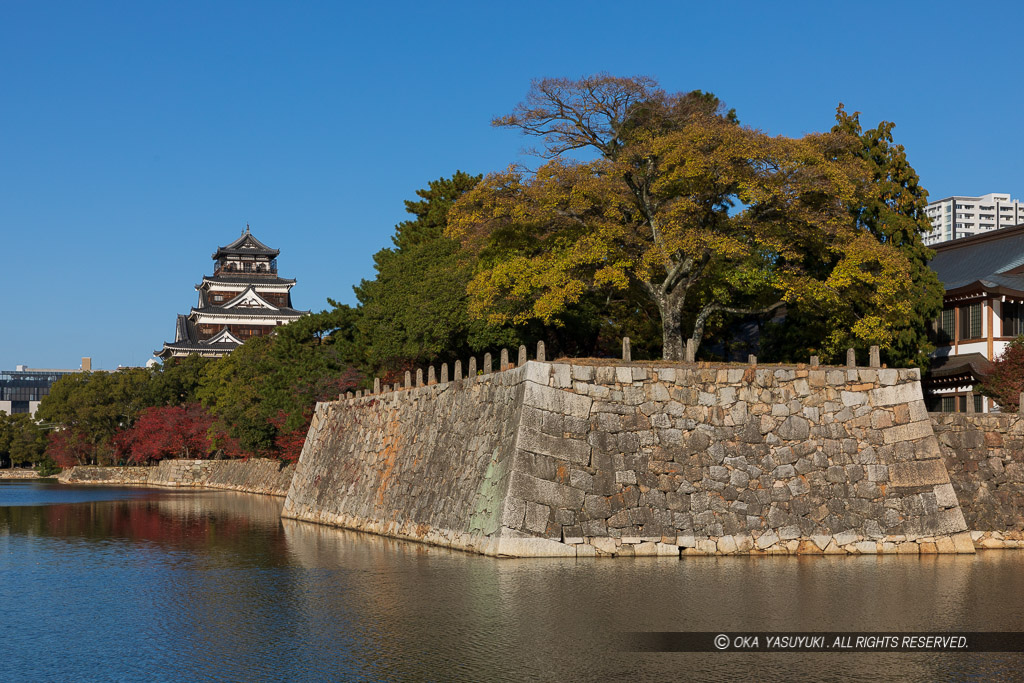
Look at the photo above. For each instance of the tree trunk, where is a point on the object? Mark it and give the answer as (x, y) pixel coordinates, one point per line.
(671, 332)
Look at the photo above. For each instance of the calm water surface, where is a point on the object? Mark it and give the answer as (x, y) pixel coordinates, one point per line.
(131, 584)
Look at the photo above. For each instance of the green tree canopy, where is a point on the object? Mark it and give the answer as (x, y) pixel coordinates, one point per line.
(269, 386)
(95, 405)
(892, 210)
(415, 310)
(705, 216)
(22, 440)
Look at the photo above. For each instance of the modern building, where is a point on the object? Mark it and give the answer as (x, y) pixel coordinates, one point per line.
(958, 217)
(244, 298)
(23, 388)
(983, 311)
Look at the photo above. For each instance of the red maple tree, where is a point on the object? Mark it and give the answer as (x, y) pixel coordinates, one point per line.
(69, 447)
(1005, 382)
(167, 432)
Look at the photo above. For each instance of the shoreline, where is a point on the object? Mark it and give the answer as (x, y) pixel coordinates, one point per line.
(255, 475)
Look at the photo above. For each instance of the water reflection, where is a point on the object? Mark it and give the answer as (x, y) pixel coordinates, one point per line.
(168, 584)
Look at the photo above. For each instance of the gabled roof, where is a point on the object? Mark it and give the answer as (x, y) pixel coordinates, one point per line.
(249, 300)
(989, 257)
(186, 341)
(246, 245)
(222, 337)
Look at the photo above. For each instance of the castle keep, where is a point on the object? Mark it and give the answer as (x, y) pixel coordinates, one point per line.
(244, 298)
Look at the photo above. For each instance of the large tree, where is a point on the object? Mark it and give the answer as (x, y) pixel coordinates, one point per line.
(674, 197)
(892, 210)
(415, 309)
(268, 387)
(87, 409)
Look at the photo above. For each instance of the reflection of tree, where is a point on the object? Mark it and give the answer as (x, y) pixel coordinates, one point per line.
(243, 528)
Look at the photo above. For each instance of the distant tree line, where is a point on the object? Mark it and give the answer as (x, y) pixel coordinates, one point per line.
(656, 216)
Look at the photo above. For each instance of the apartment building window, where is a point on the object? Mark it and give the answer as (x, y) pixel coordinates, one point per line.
(1013, 319)
(970, 321)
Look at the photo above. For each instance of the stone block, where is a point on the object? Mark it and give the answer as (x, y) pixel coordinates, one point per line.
(706, 546)
(605, 546)
(561, 376)
(808, 547)
(625, 477)
(896, 394)
(907, 432)
(575, 451)
(918, 473)
(533, 547)
(866, 547)
(572, 534)
(536, 490)
(950, 521)
(963, 544)
(514, 513)
(536, 518)
(945, 496)
(686, 541)
(556, 400)
(853, 398)
(646, 549)
(766, 540)
(794, 428)
(623, 375)
(583, 373)
(845, 538)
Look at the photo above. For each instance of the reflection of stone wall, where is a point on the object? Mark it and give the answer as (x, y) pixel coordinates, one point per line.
(256, 475)
(983, 453)
(591, 459)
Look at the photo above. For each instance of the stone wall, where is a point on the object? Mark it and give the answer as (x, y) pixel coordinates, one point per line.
(586, 458)
(255, 475)
(983, 454)
(429, 464)
(18, 473)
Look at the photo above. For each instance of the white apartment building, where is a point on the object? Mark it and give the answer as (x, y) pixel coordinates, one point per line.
(956, 217)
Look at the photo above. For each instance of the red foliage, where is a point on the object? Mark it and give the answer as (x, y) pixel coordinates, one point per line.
(288, 445)
(167, 432)
(68, 448)
(397, 374)
(230, 446)
(1006, 380)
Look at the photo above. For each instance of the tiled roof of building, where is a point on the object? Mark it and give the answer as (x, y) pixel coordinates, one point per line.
(281, 312)
(246, 279)
(984, 257)
(974, 364)
(246, 245)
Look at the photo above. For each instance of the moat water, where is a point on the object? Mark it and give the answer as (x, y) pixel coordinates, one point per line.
(128, 584)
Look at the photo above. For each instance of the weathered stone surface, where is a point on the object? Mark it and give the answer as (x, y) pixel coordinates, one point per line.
(710, 460)
(576, 451)
(255, 475)
(918, 473)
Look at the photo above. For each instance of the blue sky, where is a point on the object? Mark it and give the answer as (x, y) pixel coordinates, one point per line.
(136, 137)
